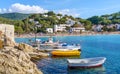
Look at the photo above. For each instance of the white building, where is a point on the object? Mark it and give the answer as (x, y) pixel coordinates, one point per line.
(45, 15)
(59, 17)
(110, 17)
(60, 27)
(8, 30)
(49, 30)
(78, 29)
(70, 22)
(117, 27)
(31, 20)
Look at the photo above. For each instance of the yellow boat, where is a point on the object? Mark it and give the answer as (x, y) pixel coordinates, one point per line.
(65, 53)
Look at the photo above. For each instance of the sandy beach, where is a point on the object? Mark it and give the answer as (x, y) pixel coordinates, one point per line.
(31, 35)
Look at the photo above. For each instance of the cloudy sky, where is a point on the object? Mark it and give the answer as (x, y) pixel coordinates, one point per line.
(76, 8)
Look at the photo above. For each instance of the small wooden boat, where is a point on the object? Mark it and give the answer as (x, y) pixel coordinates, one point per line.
(86, 63)
(65, 53)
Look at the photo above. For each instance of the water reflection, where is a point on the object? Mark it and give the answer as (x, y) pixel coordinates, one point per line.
(98, 70)
(65, 57)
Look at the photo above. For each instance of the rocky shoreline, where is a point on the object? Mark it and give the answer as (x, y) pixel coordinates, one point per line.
(16, 59)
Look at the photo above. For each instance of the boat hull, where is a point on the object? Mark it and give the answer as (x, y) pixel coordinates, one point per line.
(86, 63)
(66, 53)
(70, 66)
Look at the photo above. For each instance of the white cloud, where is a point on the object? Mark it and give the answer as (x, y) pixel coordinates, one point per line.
(21, 8)
(0, 10)
(9, 10)
(69, 12)
(4, 10)
(17, 7)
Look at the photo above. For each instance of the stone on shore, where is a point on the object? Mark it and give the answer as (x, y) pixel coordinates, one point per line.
(37, 55)
(14, 61)
(25, 47)
(34, 53)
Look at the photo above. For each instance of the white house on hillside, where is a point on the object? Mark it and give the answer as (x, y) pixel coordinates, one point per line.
(97, 28)
(45, 15)
(78, 29)
(60, 27)
(70, 22)
(118, 27)
(49, 30)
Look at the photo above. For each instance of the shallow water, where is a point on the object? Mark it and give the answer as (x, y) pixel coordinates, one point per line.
(92, 46)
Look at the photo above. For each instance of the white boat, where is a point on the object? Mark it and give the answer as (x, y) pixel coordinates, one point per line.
(49, 42)
(67, 46)
(86, 63)
(58, 46)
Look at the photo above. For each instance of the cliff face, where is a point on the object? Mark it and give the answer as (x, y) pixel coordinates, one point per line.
(14, 61)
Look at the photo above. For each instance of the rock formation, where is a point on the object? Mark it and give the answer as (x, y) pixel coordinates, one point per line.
(6, 40)
(9, 42)
(16, 58)
(31, 51)
(14, 61)
(25, 47)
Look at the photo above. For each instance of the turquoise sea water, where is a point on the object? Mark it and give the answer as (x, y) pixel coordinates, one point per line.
(92, 46)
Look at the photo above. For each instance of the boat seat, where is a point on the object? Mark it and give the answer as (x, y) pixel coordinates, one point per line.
(83, 61)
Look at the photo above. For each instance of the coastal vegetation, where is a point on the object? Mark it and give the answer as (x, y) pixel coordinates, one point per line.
(106, 19)
(26, 23)
(15, 16)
